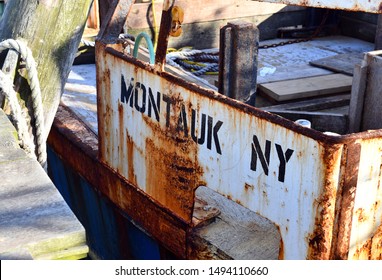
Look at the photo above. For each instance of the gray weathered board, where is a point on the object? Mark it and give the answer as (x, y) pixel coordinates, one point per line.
(307, 87)
(35, 221)
(341, 63)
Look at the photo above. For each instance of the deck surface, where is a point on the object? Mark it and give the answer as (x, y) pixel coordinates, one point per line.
(275, 64)
(282, 63)
(35, 221)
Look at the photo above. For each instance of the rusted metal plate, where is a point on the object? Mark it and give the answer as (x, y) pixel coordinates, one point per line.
(371, 6)
(77, 146)
(168, 138)
(367, 212)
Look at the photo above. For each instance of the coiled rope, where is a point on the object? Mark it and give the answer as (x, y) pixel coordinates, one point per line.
(6, 86)
(197, 61)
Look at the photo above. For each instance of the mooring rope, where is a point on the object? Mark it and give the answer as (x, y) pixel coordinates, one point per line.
(197, 61)
(6, 85)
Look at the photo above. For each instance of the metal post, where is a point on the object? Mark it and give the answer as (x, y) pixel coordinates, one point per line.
(378, 34)
(372, 113)
(239, 42)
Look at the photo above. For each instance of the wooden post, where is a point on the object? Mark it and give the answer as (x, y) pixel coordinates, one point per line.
(365, 103)
(52, 29)
(357, 97)
(372, 114)
(104, 6)
(378, 34)
(239, 42)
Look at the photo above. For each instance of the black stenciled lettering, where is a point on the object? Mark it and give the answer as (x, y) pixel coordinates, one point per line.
(216, 138)
(182, 121)
(154, 105)
(257, 153)
(140, 88)
(167, 100)
(213, 133)
(284, 158)
(126, 94)
(201, 131)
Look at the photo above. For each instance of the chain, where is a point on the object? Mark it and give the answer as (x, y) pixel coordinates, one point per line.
(314, 35)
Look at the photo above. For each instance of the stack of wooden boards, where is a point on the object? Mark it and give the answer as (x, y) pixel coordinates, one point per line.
(307, 87)
(323, 99)
(338, 82)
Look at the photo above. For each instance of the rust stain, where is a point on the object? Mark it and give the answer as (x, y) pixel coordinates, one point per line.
(345, 204)
(361, 215)
(203, 213)
(376, 245)
(281, 246)
(172, 178)
(320, 240)
(248, 188)
(239, 202)
(363, 253)
(165, 227)
(130, 158)
(174, 173)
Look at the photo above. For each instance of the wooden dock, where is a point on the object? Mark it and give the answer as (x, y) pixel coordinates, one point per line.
(35, 221)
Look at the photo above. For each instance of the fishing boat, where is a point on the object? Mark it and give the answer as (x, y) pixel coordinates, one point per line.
(271, 158)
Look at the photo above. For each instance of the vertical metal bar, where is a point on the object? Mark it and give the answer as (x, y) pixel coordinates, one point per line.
(357, 97)
(238, 55)
(372, 114)
(378, 34)
(342, 232)
(164, 31)
(224, 59)
(114, 20)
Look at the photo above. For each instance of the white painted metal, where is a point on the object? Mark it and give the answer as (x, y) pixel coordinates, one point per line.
(367, 213)
(294, 201)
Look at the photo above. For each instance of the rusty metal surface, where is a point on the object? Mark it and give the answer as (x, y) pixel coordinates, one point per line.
(367, 212)
(78, 147)
(342, 232)
(168, 139)
(371, 6)
(203, 213)
(164, 33)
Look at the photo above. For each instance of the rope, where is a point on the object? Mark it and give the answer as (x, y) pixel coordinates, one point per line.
(198, 62)
(87, 43)
(7, 86)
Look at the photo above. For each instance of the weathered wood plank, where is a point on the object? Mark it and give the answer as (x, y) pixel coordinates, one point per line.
(204, 34)
(341, 63)
(289, 73)
(313, 104)
(307, 87)
(255, 237)
(52, 30)
(206, 10)
(357, 98)
(35, 221)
